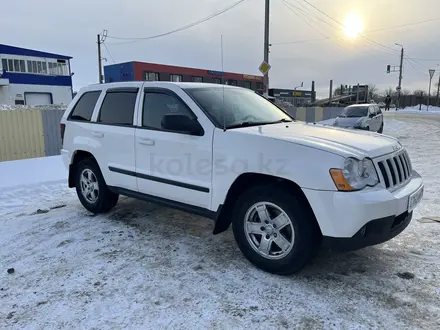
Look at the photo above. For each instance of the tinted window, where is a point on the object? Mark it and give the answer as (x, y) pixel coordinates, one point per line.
(5, 64)
(118, 108)
(156, 105)
(354, 112)
(84, 108)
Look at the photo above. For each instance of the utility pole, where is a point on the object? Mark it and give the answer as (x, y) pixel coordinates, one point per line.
(438, 89)
(330, 95)
(100, 40)
(399, 87)
(266, 47)
(99, 58)
(431, 74)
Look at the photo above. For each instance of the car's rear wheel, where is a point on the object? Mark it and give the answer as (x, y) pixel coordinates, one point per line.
(91, 188)
(274, 230)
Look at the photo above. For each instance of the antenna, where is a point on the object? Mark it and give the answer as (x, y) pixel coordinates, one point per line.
(223, 83)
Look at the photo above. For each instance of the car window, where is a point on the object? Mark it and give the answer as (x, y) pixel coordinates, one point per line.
(83, 109)
(156, 105)
(233, 107)
(118, 108)
(357, 111)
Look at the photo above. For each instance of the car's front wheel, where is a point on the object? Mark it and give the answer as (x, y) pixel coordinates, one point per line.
(91, 188)
(274, 230)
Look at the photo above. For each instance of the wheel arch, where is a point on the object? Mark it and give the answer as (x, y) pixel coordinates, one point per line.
(243, 182)
(77, 156)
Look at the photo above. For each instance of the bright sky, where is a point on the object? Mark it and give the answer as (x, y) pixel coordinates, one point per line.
(71, 28)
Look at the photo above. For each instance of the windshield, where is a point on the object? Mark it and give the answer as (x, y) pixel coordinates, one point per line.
(354, 112)
(236, 107)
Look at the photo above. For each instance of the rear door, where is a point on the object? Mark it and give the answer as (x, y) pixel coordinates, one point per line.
(112, 141)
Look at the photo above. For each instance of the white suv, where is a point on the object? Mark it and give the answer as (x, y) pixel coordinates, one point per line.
(229, 154)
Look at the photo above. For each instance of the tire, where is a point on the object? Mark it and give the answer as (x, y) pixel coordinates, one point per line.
(91, 188)
(380, 129)
(306, 233)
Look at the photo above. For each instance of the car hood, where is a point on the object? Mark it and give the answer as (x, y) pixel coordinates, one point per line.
(340, 141)
(347, 121)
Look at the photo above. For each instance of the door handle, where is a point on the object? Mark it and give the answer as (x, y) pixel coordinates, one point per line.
(146, 142)
(98, 134)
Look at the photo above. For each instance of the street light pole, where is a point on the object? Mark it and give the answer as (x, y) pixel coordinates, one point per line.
(400, 76)
(438, 87)
(266, 47)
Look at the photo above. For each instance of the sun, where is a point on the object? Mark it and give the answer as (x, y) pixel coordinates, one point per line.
(353, 25)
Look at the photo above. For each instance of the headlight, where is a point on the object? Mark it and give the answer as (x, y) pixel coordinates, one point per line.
(356, 175)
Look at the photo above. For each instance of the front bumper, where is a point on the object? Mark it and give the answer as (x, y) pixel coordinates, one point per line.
(374, 232)
(344, 214)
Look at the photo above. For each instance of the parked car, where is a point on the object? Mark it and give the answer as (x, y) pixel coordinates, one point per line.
(228, 154)
(367, 117)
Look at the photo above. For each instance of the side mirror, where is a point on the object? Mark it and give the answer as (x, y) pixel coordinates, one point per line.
(182, 123)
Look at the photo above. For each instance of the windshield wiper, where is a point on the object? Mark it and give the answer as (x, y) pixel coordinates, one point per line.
(252, 123)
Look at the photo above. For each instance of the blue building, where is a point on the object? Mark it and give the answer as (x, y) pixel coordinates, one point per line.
(32, 77)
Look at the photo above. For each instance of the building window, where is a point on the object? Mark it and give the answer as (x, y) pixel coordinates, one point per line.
(197, 79)
(29, 66)
(232, 82)
(176, 78)
(5, 64)
(34, 67)
(10, 65)
(22, 66)
(247, 84)
(260, 86)
(44, 67)
(151, 76)
(216, 81)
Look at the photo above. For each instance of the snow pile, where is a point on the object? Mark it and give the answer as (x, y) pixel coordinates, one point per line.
(36, 107)
(23, 172)
(416, 109)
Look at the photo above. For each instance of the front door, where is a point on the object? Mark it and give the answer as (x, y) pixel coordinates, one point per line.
(172, 165)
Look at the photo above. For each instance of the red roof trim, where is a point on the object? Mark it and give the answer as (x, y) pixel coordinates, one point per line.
(141, 67)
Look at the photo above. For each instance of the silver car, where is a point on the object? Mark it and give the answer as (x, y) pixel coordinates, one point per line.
(361, 116)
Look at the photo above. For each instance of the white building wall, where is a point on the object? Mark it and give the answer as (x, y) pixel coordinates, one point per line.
(60, 94)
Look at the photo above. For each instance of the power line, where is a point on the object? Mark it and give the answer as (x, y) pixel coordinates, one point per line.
(367, 31)
(415, 68)
(342, 25)
(134, 39)
(108, 51)
(288, 5)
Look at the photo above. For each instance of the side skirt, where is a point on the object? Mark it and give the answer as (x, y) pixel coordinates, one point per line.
(168, 203)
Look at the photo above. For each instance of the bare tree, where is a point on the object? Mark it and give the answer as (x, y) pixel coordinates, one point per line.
(420, 92)
(337, 91)
(389, 91)
(373, 91)
(406, 92)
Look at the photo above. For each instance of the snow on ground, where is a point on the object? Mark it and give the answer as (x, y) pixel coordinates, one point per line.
(143, 266)
(423, 109)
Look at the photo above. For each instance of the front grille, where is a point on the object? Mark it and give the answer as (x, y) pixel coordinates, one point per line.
(394, 170)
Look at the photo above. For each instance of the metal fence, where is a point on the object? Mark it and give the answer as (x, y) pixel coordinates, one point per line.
(29, 133)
